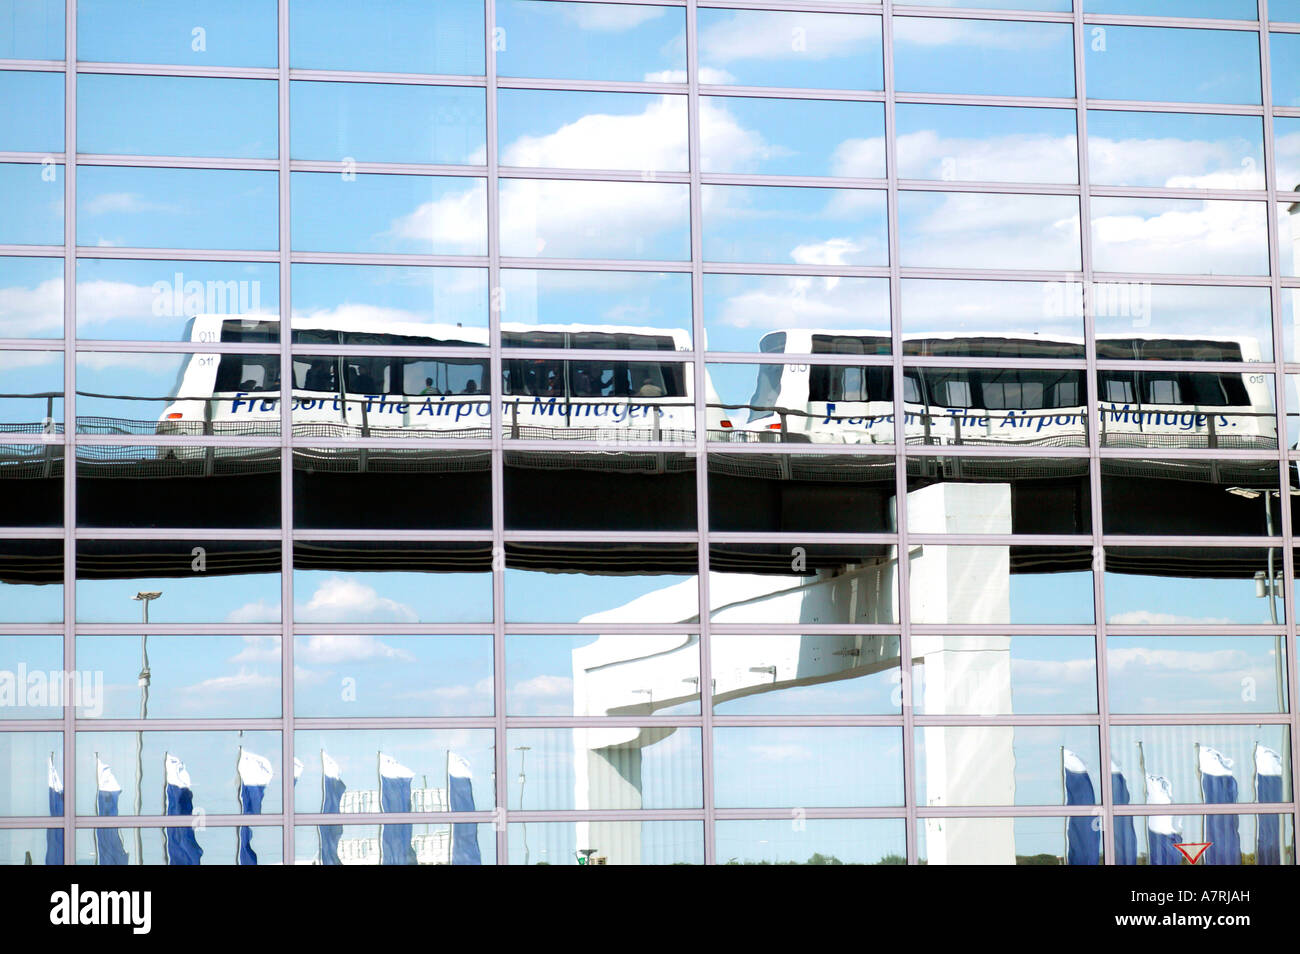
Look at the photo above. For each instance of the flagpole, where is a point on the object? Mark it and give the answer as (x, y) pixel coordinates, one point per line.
(144, 679)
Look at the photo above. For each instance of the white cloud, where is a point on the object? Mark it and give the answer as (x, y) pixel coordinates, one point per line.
(26, 312)
(1149, 618)
(129, 203)
(770, 35)
(544, 686)
(654, 138)
(331, 650)
(243, 681)
(609, 17)
(339, 599)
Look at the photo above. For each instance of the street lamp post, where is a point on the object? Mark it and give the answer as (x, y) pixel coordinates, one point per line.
(523, 751)
(145, 599)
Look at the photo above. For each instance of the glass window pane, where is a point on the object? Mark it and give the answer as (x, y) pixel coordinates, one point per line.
(31, 297)
(1203, 764)
(562, 308)
(1153, 63)
(591, 41)
(968, 57)
(623, 582)
(1007, 765)
(1205, 586)
(38, 500)
(1003, 675)
(31, 581)
(974, 230)
(25, 790)
(33, 195)
(32, 401)
(1017, 495)
(31, 109)
(429, 215)
(1284, 57)
(193, 32)
(1009, 841)
(1242, 839)
(773, 48)
(816, 841)
(798, 226)
(177, 208)
(119, 115)
(1187, 674)
(605, 768)
(564, 130)
(992, 319)
(34, 30)
(756, 313)
(1158, 408)
(792, 137)
(986, 144)
(1181, 322)
(1186, 236)
(144, 300)
(1000, 585)
(1175, 150)
(471, 843)
(1286, 148)
(216, 845)
(607, 843)
(555, 218)
(615, 674)
(390, 305)
(1210, 9)
(385, 122)
(33, 684)
(992, 406)
(404, 36)
(610, 491)
(1185, 495)
(31, 846)
(821, 583)
(807, 767)
(801, 493)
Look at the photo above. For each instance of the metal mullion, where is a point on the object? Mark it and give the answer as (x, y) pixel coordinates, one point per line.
(178, 725)
(602, 354)
(173, 533)
(31, 158)
(287, 669)
(178, 629)
(69, 454)
(1205, 718)
(391, 351)
(311, 819)
(172, 347)
(176, 162)
(395, 722)
(588, 86)
(1196, 543)
(1210, 808)
(786, 92)
(387, 258)
(179, 254)
(211, 821)
(421, 536)
(169, 440)
(600, 536)
(824, 721)
(33, 251)
(1180, 453)
(596, 722)
(593, 175)
(44, 66)
(688, 628)
(903, 552)
(391, 629)
(796, 6)
(403, 79)
(501, 751)
(703, 592)
(178, 69)
(1146, 106)
(428, 169)
(1286, 503)
(1173, 22)
(596, 265)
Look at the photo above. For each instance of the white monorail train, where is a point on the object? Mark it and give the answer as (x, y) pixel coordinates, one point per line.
(850, 403)
(392, 394)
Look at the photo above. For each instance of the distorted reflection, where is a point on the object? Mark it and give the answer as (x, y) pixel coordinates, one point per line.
(607, 491)
(794, 137)
(815, 841)
(1181, 236)
(1202, 586)
(1205, 409)
(755, 48)
(1073, 840)
(38, 500)
(464, 843)
(1189, 674)
(1183, 495)
(1203, 764)
(807, 766)
(252, 844)
(794, 225)
(623, 582)
(990, 675)
(31, 581)
(33, 770)
(1029, 494)
(968, 765)
(1175, 150)
(971, 584)
(986, 144)
(607, 843)
(801, 492)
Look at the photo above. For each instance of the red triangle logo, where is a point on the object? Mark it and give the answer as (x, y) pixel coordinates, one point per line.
(1192, 851)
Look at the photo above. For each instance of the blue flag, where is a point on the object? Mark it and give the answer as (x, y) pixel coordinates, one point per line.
(180, 846)
(1162, 831)
(108, 841)
(1219, 788)
(395, 846)
(460, 795)
(332, 790)
(1083, 838)
(254, 775)
(54, 836)
(1268, 788)
(1126, 849)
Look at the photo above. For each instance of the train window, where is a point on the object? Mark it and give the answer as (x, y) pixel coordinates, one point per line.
(850, 344)
(249, 330)
(911, 387)
(1116, 386)
(594, 379)
(435, 376)
(847, 383)
(248, 372)
(316, 374)
(1163, 390)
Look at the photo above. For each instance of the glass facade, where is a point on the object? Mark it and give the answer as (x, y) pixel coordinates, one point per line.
(585, 532)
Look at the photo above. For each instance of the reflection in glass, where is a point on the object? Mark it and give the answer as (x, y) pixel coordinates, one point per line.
(1183, 495)
(1286, 150)
(200, 581)
(605, 768)
(1027, 495)
(799, 674)
(1175, 150)
(994, 406)
(31, 108)
(428, 215)
(625, 582)
(1007, 765)
(386, 122)
(1289, 237)
(1196, 764)
(462, 843)
(991, 584)
(560, 308)
(240, 33)
(31, 581)
(607, 843)
(32, 194)
(151, 486)
(741, 311)
(1284, 56)
(118, 115)
(620, 674)
(143, 300)
(606, 491)
(389, 676)
(991, 319)
(557, 218)
(790, 225)
(209, 758)
(177, 208)
(976, 230)
(1185, 674)
(772, 48)
(32, 685)
(1186, 236)
(220, 846)
(1181, 322)
(792, 137)
(403, 37)
(351, 771)
(31, 485)
(190, 676)
(816, 841)
(34, 31)
(567, 130)
(1009, 841)
(361, 581)
(1158, 408)
(823, 583)
(30, 846)
(969, 57)
(31, 761)
(1201, 586)
(986, 143)
(591, 41)
(388, 304)
(1153, 63)
(1003, 675)
(31, 297)
(1210, 9)
(1244, 839)
(807, 767)
(801, 493)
